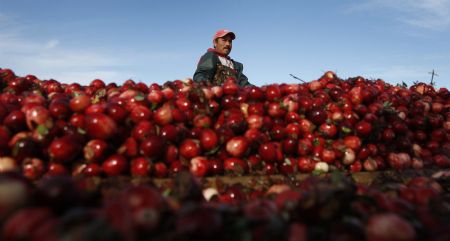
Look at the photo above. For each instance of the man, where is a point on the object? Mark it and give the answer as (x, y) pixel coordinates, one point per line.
(215, 66)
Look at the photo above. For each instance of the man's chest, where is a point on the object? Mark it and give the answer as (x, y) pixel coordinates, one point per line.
(226, 62)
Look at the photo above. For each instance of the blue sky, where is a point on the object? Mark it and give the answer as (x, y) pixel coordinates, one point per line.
(160, 40)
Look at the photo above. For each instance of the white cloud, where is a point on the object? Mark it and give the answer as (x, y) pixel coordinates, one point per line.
(51, 44)
(51, 58)
(427, 14)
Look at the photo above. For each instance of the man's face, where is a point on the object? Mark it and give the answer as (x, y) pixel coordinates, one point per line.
(224, 44)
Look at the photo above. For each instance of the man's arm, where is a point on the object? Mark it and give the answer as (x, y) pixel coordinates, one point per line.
(206, 68)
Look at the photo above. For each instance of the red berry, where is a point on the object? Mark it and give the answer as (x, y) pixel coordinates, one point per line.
(208, 139)
(115, 165)
(95, 150)
(64, 149)
(100, 126)
(140, 167)
(152, 146)
(237, 146)
(189, 148)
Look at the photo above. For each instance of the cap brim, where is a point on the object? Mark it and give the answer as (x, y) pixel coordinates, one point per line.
(233, 36)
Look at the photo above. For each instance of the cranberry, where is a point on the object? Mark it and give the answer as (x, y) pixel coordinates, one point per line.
(140, 167)
(33, 168)
(208, 139)
(237, 146)
(79, 103)
(142, 130)
(100, 126)
(199, 166)
(189, 148)
(115, 165)
(235, 166)
(64, 149)
(152, 146)
(95, 150)
(15, 121)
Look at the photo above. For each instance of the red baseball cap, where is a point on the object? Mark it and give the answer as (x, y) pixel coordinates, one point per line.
(222, 33)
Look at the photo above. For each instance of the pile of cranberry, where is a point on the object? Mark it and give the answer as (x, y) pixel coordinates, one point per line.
(78, 162)
(137, 129)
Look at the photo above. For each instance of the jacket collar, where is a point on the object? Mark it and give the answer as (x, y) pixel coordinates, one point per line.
(215, 51)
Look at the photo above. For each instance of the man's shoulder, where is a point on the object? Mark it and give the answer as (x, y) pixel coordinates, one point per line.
(209, 54)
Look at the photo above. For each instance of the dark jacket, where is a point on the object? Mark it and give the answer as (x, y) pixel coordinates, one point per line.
(207, 67)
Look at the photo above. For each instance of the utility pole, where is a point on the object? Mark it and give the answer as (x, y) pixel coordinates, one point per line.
(432, 75)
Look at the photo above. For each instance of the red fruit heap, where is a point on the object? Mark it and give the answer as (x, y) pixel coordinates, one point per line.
(327, 124)
(75, 160)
